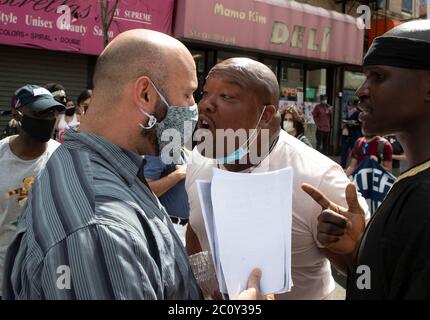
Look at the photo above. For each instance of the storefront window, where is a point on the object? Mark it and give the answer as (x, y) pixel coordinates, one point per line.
(224, 55)
(352, 81)
(291, 81)
(272, 64)
(407, 6)
(200, 59)
(316, 83)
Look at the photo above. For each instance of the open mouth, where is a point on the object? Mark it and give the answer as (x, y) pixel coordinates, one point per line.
(205, 123)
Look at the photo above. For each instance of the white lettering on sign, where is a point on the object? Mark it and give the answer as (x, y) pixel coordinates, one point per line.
(37, 22)
(7, 18)
(281, 35)
(97, 31)
(251, 15)
(136, 15)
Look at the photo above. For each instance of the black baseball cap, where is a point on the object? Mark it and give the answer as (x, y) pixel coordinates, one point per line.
(36, 98)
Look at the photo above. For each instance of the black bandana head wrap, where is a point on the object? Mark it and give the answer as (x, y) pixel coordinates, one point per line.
(399, 52)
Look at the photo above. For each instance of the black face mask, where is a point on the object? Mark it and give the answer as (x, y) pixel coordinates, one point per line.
(39, 129)
(70, 112)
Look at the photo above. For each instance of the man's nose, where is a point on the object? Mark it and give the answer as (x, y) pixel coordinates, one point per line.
(363, 91)
(206, 105)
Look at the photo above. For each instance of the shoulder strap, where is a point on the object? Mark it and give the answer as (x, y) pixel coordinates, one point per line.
(381, 146)
(356, 143)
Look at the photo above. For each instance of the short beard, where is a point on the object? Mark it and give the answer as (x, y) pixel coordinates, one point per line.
(152, 146)
(150, 135)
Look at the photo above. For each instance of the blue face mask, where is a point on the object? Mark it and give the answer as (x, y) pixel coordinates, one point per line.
(244, 149)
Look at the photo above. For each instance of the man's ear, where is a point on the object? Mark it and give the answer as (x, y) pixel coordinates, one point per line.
(267, 117)
(143, 93)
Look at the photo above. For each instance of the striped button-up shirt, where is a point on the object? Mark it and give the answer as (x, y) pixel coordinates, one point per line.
(92, 229)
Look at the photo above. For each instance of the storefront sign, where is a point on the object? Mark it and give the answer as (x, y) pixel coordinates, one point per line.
(288, 28)
(41, 23)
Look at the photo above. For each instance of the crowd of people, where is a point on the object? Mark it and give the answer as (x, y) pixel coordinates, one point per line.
(118, 204)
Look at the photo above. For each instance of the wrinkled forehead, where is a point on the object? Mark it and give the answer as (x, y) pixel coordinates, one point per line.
(233, 75)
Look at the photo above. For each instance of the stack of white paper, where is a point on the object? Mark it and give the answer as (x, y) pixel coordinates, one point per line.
(248, 222)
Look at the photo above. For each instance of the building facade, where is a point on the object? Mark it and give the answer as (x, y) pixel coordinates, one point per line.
(312, 50)
(59, 40)
(313, 46)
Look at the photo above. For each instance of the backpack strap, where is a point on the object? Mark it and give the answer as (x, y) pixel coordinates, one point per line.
(356, 143)
(381, 147)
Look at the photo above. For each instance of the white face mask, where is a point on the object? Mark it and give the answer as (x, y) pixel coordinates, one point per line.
(288, 126)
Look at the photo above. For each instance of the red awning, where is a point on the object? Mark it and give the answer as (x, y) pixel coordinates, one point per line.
(380, 26)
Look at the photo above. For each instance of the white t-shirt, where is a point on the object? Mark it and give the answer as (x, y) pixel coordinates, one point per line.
(16, 178)
(63, 124)
(310, 268)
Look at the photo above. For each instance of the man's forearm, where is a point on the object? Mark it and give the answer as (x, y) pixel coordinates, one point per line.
(161, 186)
(342, 262)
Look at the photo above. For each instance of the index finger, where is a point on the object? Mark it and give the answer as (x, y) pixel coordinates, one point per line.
(319, 197)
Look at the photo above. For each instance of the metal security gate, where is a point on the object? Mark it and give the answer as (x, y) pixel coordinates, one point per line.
(20, 66)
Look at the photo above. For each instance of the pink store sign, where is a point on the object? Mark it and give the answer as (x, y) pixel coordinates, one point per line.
(37, 24)
(279, 26)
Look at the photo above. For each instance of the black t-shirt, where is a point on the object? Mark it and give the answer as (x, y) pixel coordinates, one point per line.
(397, 149)
(395, 250)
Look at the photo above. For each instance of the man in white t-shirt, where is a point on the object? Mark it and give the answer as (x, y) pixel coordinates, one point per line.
(23, 156)
(241, 93)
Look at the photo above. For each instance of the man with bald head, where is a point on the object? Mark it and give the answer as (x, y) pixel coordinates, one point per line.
(390, 259)
(242, 95)
(92, 228)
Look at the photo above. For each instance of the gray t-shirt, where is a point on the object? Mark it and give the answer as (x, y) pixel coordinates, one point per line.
(16, 178)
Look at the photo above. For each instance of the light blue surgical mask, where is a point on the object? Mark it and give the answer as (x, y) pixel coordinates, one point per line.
(243, 150)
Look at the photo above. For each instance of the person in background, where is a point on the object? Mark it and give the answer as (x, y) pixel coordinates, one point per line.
(294, 123)
(59, 93)
(398, 154)
(374, 147)
(84, 100)
(351, 131)
(322, 117)
(67, 120)
(165, 173)
(12, 127)
(23, 156)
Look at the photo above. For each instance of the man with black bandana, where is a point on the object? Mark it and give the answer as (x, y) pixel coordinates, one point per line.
(23, 156)
(390, 259)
